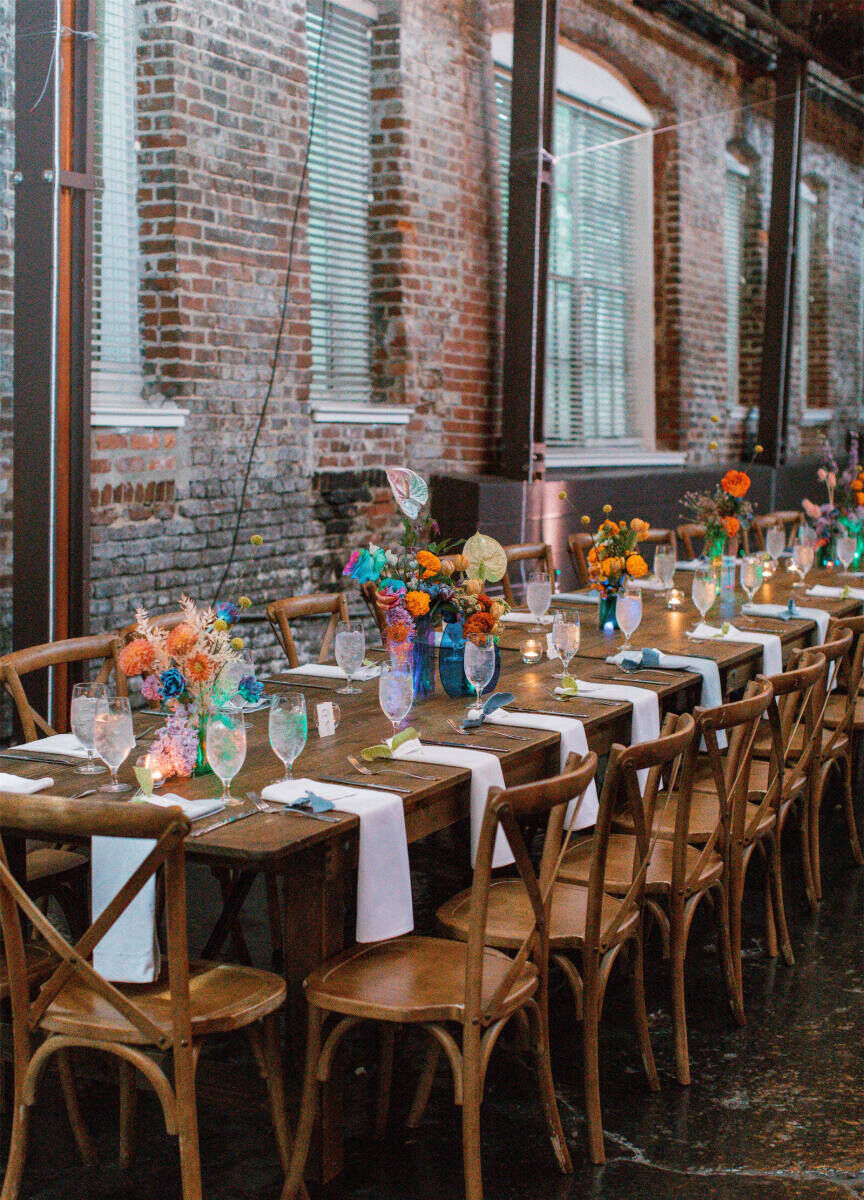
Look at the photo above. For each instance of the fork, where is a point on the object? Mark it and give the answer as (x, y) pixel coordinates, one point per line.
(358, 766)
(261, 805)
(513, 737)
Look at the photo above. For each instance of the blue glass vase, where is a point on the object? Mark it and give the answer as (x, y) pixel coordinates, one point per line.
(451, 660)
(423, 660)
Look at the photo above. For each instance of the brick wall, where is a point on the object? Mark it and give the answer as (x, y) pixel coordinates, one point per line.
(7, 202)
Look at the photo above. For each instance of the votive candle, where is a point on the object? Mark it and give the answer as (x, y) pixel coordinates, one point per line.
(532, 650)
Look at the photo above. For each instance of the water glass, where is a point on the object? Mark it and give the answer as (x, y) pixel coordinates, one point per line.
(479, 662)
(775, 541)
(566, 638)
(802, 560)
(704, 591)
(226, 745)
(288, 728)
(846, 547)
(396, 692)
(113, 738)
(350, 649)
(751, 575)
(628, 611)
(664, 566)
(539, 596)
(82, 712)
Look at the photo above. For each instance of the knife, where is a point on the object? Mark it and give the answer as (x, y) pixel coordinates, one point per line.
(468, 746)
(378, 787)
(290, 683)
(221, 824)
(629, 679)
(37, 756)
(545, 712)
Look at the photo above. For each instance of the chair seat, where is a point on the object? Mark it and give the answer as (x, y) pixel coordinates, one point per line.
(411, 979)
(762, 747)
(49, 862)
(619, 865)
(40, 964)
(704, 813)
(835, 709)
(511, 917)
(222, 997)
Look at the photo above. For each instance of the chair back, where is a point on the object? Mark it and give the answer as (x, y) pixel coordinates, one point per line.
(661, 537)
(850, 669)
(104, 646)
(789, 519)
(56, 818)
(505, 807)
(578, 547)
(536, 552)
(281, 612)
(839, 653)
(369, 592)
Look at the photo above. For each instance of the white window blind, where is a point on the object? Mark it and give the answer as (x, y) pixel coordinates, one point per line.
(803, 269)
(339, 166)
(591, 337)
(734, 210)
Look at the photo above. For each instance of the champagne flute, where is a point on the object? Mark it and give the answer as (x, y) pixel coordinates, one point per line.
(751, 575)
(479, 662)
(703, 591)
(628, 611)
(396, 692)
(82, 711)
(802, 560)
(664, 566)
(226, 746)
(539, 596)
(350, 647)
(846, 547)
(113, 738)
(566, 638)
(288, 728)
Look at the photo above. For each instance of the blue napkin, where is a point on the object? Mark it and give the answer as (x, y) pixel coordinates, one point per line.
(495, 701)
(315, 803)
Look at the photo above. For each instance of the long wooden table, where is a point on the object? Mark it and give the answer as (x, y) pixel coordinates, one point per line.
(316, 862)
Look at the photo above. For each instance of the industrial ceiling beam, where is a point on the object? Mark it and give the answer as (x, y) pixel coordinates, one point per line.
(789, 38)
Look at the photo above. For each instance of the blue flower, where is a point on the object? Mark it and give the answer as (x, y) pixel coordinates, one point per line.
(392, 585)
(366, 569)
(227, 612)
(172, 683)
(250, 689)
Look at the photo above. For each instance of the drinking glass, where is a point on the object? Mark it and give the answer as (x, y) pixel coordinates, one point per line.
(664, 566)
(628, 611)
(566, 638)
(113, 738)
(479, 662)
(704, 591)
(751, 575)
(846, 547)
(226, 745)
(85, 698)
(775, 541)
(396, 692)
(288, 728)
(350, 651)
(539, 595)
(802, 560)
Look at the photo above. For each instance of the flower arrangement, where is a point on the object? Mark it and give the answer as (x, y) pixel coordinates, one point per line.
(613, 556)
(844, 510)
(724, 511)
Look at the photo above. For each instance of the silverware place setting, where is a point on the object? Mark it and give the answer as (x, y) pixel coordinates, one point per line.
(388, 765)
(494, 730)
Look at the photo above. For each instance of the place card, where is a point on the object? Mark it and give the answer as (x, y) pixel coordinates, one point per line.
(327, 719)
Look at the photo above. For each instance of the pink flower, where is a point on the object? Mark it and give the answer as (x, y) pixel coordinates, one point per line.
(831, 479)
(822, 474)
(812, 510)
(349, 566)
(150, 689)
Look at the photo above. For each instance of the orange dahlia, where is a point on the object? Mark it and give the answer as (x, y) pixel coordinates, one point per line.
(137, 657)
(181, 640)
(736, 483)
(417, 603)
(199, 667)
(430, 563)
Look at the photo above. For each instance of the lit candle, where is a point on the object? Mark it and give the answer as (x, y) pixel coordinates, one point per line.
(532, 650)
(154, 765)
(676, 598)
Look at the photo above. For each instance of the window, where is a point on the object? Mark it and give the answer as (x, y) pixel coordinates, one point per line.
(600, 321)
(734, 214)
(803, 281)
(339, 165)
(861, 326)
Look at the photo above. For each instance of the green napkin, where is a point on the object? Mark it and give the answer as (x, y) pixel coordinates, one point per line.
(385, 749)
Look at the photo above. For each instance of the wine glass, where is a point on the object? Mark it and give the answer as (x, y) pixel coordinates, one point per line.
(396, 692)
(628, 611)
(775, 541)
(226, 745)
(846, 547)
(664, 566)
(350, 649)
(113, 737)
(82, 711)
(802, 560)
(751, 575)
(539, 595)
(704, 591)
(288, 728)
(566, 638)
(479, 662)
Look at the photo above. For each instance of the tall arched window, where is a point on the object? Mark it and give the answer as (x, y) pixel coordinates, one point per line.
(600, 303)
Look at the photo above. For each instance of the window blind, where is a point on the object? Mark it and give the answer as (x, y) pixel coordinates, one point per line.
(733, 229)
(590, 397)
(806, 221)
(339, 167)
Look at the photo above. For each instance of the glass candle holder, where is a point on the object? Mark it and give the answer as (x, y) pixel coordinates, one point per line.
(532, 650)
(676, 599)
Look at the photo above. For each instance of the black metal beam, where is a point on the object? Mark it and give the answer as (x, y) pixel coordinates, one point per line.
(535, 38)
(789, 121)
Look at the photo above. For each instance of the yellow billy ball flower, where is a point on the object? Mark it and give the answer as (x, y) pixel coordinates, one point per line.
(586, 520)
(607, 508)
(245, 602)
(256, 539)
(219, 625)
(562, 495)
(757, 449)
(237, 643)
(713, 446)
(715, 420)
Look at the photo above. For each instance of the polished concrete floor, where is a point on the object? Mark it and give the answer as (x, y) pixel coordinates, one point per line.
(774, 1113)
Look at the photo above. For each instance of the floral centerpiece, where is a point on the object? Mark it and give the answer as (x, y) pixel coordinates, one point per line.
(613, 559)
(724, 510)
(843, 511)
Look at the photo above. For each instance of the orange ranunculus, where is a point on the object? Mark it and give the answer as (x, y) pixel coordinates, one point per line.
(636, 566)
(613, 565)
(859, 498)
(479, 623)
(417, 603)
(736, 483)
(199, 667)
(592, 555)
(732, 525)
(640, 528)
(181, 640)
(398, 632)
(137, 657)
(430, 563)
(484, 601)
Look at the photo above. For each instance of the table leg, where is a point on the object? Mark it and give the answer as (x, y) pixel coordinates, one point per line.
(234, 893)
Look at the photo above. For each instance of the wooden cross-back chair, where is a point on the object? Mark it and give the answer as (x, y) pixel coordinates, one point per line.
(578, 547)
(789, 519)
(539, 553)
(436, 983)
(280, 614)
(77, 1007)
(844, 712)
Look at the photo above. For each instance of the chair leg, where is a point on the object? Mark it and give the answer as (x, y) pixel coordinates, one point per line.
(294, 1185)
(677, 979)
(640, 1012)
(591, 1060)
(387, 1043)
(730, 974)
(424, 1084)
(806, 860)
(771, 946)
(472, 1091)
(849, 811)
(276, 1088)
(17, 1152)
(128, 1109)
(70, 1094)
(815, 849)
(543, 1063)
(187, 1123)
(775, 874)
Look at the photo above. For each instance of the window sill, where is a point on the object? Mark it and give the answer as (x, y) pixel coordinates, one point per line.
(136, 415)
(811, 417)
(351, 412)
(620, 457)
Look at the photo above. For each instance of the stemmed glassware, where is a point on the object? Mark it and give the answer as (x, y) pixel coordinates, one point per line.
(396, 692)
(226, 746)
(802, 560)
(846, 547)
(664, 566)
(479, 662)
(751, 575)
(350, 648)
(113, 738)
(539, 596)
(704, 591)
(288, 728)
(82, 712)
(628, 611)
(566, 638)
(775, 541)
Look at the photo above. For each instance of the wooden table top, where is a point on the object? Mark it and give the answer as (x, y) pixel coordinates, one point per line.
(265, 841)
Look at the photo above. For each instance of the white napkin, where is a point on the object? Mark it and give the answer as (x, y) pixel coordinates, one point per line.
(711, 694)
(26, 787)
(384, 905)
(819, 615)
(772, 651)
(129, 951)
(649, 583)
(690, 564)
(834, 593)
(58, 743)
(193, 809)
(519, 618)
(573, 740)
(590, 597)
(328, 671)
(645, 720)
(485, 773)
